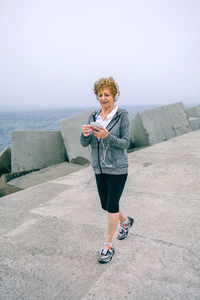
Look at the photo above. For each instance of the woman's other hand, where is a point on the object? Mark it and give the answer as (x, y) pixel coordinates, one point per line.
(86, 129)
(101, 133)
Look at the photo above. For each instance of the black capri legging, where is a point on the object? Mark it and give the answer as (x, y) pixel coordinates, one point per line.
(110, 188)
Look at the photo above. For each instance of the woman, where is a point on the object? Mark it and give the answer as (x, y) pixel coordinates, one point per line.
(109, 138)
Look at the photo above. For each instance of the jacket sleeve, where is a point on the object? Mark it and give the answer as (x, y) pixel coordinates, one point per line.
(86, 140)
(124, 141)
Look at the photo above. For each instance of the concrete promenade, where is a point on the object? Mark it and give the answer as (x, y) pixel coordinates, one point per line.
(50, 234)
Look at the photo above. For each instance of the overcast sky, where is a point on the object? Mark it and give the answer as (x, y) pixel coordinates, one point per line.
(51, 52)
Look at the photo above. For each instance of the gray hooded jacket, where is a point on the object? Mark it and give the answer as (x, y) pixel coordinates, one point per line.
(109, 155)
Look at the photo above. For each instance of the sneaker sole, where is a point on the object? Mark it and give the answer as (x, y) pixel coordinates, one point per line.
(106, 261)
(122, 238)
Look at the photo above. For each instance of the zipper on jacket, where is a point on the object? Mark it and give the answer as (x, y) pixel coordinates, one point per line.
(98, 141)
(98, 157)
(113, 124)
(94, 119)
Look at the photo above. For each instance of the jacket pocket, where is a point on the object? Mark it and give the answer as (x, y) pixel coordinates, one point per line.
(121, 158)
(107, 159)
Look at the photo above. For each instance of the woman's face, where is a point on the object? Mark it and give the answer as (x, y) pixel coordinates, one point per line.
(105, 98)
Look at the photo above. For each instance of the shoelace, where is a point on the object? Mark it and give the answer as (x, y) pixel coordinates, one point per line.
(122, 227)
(104, 250)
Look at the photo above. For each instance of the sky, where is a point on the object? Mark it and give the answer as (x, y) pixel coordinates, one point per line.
(52, 52)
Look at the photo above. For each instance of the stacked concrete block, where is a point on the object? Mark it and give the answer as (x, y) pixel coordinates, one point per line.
(193, 114)
(5, 161)
(159, 124)
(194, 123)
(71, 131)
(193, 111)
(2, 192)
(36, 150)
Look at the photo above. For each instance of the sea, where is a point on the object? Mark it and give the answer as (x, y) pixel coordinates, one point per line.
(43, 119)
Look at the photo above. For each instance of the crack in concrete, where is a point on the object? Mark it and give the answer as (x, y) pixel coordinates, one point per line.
(168, 196)
(157, 240)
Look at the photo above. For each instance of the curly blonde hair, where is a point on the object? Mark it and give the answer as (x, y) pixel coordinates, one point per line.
(107, 83)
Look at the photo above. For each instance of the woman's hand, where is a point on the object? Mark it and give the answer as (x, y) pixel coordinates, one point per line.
(86, 129)
(101, 133)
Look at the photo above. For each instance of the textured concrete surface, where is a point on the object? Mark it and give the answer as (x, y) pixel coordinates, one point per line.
(50, 234)
(5, 161)
(155, 125)
(193, 111)
(36, 150)
(44, 175)
(194, 123)
(70, 129)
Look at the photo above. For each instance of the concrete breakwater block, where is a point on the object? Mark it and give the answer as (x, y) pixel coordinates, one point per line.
(193, 111)
(194, 123)
(5, 161)
(71, 131)
(159, 124)
(36, 150)
(2, 192)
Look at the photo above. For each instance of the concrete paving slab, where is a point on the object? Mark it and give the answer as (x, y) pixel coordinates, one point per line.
(51, 233)
(153, 271)
(14, 208)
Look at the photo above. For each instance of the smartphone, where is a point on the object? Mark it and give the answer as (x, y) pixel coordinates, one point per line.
(97, 124)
